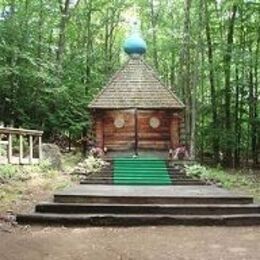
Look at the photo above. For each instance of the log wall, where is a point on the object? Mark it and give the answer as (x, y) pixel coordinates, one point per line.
(165, 136)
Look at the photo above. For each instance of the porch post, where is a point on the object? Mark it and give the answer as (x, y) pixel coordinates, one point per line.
(40, 148)
(30, 149)
(21, 149)
(10, 148)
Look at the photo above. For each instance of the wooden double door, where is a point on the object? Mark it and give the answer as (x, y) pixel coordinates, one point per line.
(135, 129)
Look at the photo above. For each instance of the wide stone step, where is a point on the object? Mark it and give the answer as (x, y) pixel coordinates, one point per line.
(192, 199)
(188, 209)
(138, 220)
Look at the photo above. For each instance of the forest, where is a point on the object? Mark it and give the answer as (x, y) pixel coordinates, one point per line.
(56, 55)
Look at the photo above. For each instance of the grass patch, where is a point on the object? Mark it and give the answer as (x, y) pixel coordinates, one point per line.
(69, 160)
(241, 180)
(21, 185)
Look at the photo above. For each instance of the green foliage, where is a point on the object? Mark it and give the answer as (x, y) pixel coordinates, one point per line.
(51, 68)
(196, 170)
(8, 172)
(219, 176)
(38, 90)
(90, 165)
(19, 184)
(2, 150)
(94, 164)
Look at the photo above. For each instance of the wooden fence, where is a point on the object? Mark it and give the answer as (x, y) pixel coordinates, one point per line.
(6, 142)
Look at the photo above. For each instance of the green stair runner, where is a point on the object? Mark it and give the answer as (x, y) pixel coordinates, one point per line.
(140, 171)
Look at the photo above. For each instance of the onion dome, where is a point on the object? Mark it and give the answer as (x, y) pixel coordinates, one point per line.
(135, 44)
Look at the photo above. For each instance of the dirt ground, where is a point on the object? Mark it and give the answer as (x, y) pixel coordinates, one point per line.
(175, 242)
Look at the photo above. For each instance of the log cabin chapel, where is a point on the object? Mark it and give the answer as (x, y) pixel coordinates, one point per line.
(135, 110)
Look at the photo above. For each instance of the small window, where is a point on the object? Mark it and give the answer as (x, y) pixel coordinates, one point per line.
(154, 122)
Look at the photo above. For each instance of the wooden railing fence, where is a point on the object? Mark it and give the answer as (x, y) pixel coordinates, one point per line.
(6, 141)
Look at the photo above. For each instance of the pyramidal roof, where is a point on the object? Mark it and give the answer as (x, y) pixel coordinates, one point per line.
(136, 85)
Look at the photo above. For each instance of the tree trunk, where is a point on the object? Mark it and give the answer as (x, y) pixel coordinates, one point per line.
(154, 18)
(215, 139)
(237, 122)
(256, 126)
(62, 27)
(65, 16)
(227, 72)
(186, 79)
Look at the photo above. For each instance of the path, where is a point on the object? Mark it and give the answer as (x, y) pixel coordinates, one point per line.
(144, 243)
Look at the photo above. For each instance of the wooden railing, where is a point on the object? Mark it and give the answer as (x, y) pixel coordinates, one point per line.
(8, 133)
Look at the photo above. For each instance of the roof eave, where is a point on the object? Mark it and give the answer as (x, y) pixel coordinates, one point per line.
(138, 107)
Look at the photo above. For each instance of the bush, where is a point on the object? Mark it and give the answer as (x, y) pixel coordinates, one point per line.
(196, 170)
(7, 172)
(218, 176)
(2, 150)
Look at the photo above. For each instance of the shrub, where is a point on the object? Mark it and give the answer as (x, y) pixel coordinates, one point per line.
(196, 170)
(2, 150)
(7, 172)
(218, 176)
(90, 165)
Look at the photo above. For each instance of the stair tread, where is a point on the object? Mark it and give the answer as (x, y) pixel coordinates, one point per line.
(153, 205)
(59, 215)
(236, 197)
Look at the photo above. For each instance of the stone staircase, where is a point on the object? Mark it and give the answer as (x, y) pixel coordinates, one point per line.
(176, 173)
(182, 201)
(112, 205)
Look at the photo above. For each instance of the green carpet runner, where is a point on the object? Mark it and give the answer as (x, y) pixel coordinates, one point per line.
(140, 171)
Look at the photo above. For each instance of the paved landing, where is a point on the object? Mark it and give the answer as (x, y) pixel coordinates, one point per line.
(147, 191)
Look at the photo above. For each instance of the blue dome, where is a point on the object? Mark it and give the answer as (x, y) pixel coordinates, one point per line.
(134, 44)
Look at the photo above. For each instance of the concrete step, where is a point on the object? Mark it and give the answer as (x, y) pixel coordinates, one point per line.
(138, 220)
(101, 175)
(141, 177)
(124, 199)
(142, 182)
(187, 183)
(175, 209)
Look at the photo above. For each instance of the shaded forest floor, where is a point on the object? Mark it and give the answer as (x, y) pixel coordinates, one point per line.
(174, 242)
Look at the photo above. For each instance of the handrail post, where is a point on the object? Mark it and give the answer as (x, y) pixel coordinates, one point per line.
(21, 149)
(10, 148)
(40, 148)
(30, 149)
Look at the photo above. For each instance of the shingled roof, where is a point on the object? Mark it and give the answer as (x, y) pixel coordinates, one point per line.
(135, 85)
